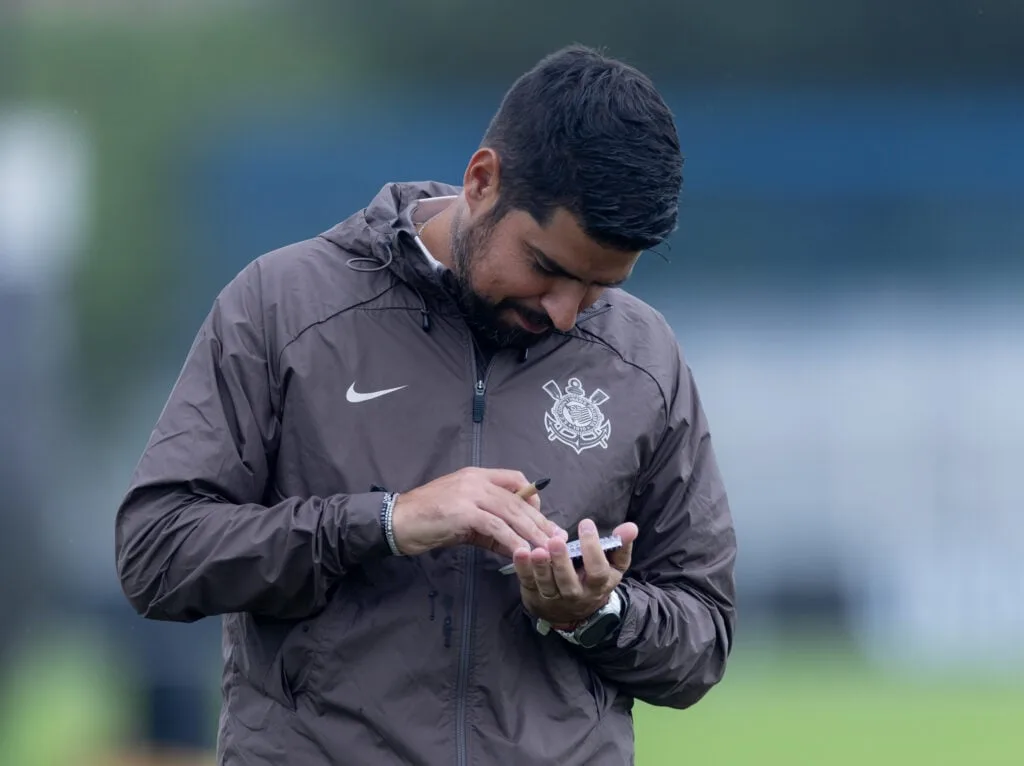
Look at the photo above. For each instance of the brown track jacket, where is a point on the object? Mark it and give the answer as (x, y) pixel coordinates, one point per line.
(259, 494)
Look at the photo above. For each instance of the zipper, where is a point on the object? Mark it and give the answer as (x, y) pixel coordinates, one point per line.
(478, 410)
(466, 647)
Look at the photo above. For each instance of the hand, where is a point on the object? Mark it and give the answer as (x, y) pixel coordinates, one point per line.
(552, 589)
(474, 506)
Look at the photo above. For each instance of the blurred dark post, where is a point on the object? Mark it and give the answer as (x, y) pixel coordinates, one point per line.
(19, 525)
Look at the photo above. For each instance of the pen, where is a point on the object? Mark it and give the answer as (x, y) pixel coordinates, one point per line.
(532, 489)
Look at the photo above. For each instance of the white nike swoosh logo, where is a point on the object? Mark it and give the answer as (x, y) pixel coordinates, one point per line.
(354, 396)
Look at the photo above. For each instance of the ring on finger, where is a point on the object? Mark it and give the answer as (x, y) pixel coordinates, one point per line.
(546, 597)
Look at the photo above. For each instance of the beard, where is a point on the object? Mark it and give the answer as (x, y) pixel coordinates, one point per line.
(484, 316)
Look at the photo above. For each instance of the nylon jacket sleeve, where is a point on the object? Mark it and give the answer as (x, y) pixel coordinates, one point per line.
(192, 536)
(678, 627)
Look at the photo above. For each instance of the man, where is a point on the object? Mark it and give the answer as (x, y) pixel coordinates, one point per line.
(337, 469)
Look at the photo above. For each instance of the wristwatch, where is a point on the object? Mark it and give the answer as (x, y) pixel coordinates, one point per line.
(596, 629)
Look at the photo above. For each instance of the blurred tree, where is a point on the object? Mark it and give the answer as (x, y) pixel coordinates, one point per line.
(145, 81)
(744, 41)
(141, 86)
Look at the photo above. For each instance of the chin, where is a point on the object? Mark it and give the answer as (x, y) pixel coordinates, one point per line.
(520, 338)
(513, 336)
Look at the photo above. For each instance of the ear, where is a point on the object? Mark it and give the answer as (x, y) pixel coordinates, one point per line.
(480, 184)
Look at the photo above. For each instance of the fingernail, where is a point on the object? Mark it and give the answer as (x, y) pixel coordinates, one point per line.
(587, 527)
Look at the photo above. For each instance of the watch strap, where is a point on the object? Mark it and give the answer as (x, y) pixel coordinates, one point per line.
(614, 606)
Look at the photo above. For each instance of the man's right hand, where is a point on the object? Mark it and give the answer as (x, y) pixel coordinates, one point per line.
(473, 506)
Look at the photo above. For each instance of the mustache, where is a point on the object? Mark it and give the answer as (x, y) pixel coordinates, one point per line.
(531, 315)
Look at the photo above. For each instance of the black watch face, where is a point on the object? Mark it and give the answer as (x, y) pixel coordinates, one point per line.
(599, 632)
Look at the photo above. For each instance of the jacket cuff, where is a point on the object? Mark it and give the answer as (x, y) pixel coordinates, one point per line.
(634, 605)
(359, 536)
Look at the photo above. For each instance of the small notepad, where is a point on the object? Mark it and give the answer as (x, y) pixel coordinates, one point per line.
(609, 543)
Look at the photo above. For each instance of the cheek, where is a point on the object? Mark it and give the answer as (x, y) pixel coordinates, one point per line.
(511, 281)
(484, 278)
(489, 283)
(527, 290)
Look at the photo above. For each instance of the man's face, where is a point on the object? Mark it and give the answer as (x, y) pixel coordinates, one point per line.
(518, 280)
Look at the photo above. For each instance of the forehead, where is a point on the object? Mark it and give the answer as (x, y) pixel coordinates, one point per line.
(564, 242)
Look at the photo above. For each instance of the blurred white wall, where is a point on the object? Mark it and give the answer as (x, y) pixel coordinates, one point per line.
(883, 437)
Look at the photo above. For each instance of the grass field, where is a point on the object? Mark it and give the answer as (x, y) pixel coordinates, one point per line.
(832, 712)
(792, 709)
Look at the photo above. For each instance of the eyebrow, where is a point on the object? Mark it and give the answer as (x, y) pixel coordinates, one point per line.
(555, 268)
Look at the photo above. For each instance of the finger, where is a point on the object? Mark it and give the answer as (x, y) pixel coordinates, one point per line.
(502, 538)
(598, 570)
(524, 570)
(521, 516)
(563, 572)
(549, 526)
(540, 567)
(554, 530)
(513, 481)
(532, 508)
(507, 479)
(621, 558)
(517, 513)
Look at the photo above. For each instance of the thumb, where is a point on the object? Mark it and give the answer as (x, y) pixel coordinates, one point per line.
(622, 557)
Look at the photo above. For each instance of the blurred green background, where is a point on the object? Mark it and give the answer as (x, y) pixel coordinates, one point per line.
(848, 281)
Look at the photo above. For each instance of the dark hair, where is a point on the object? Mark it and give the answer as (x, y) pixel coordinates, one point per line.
(592, 135)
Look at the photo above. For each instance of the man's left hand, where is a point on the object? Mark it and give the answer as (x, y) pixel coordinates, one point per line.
(554, 590)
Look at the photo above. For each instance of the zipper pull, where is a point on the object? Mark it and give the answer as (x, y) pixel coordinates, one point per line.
(447, 632)
(478, 402)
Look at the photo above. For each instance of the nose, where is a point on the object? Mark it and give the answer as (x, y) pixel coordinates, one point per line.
(564, 304)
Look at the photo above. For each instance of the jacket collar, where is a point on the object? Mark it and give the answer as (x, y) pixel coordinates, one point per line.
(385, 232)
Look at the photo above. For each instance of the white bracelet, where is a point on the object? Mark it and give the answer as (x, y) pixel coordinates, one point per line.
(388, 513)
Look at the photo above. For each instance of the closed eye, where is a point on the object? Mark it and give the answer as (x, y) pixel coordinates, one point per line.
(540, 268)
(544, 265)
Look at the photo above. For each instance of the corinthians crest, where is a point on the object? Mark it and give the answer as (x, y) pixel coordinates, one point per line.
(576, 419)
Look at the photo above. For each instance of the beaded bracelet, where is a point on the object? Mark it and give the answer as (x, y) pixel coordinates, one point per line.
(386, 521)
